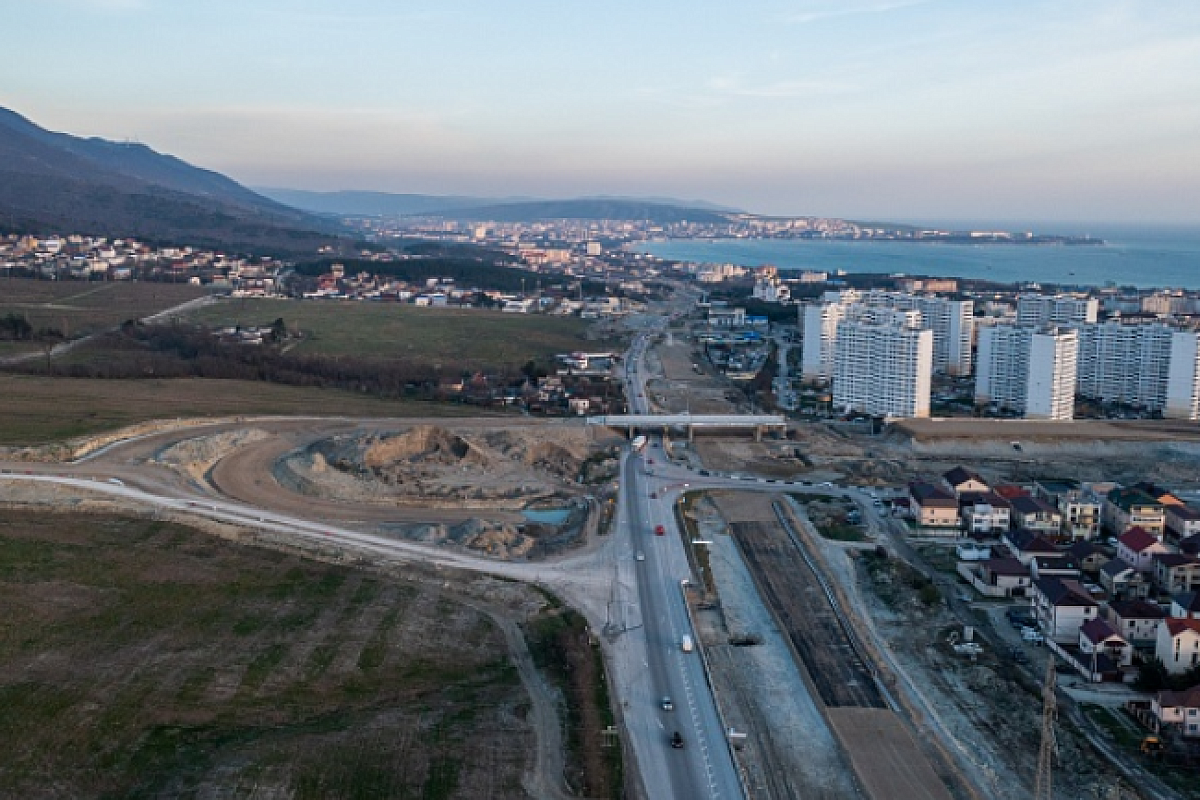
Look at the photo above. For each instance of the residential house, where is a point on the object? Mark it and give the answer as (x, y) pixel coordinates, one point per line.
(1027, 545)
(1186, 605)
(1178, 644)
(1158, 493)
(1175, 572)
(1098, 637)
(933, 506)
(1138, 547)
(1131, 508)
(1010, 491)
(1035, 514)
(1181, 709)
(1001, 577)
(1061, 607)
(1182, 521)
(1137, 621)
(1090, 557)
(1079, 506)
(984, 513)
(1123, 581)
(1191, 545)
(1059, 565)
(961, 479)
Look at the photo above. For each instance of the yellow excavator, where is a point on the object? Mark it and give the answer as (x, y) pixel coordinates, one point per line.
(1152, 746)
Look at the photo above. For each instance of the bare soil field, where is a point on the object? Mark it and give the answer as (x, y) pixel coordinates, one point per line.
(142, 658)
(926, 430)
(990, 706)
(78, 308)
(37, 410)
(679, 387)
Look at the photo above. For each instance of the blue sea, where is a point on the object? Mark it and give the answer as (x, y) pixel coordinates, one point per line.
(1141, 257)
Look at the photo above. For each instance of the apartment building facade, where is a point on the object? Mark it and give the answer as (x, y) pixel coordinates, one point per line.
(1041, 309)
(883, 363)
(1027, 369)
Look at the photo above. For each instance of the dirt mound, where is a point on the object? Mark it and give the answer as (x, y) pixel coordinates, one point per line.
(426, 444)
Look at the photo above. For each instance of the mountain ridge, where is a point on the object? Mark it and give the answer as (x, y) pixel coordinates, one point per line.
(56, 182)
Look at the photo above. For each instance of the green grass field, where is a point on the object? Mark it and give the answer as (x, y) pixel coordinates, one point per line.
(37, 410)
(144, 659)
(389, 330)
(77, 308)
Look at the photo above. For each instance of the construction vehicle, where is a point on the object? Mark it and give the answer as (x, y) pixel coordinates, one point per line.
(1152, 746)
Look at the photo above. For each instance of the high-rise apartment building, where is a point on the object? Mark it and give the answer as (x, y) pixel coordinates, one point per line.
(1028, 369)
(1061, 309)
(883, 362)
(1151, 366)
(818, 322)
(951, 321)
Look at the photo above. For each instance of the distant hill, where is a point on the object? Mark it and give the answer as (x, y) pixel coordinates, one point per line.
(55, 182)
(377, 204)
(386, 204)
(615, 209)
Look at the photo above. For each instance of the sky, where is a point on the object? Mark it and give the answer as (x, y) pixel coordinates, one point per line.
(935, 110)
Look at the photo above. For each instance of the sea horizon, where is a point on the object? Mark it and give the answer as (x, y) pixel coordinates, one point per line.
(1143, 257)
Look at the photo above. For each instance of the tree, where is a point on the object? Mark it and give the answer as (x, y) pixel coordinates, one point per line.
(1152, 677)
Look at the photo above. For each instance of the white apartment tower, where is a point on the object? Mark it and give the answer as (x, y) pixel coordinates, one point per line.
(1152, 366)
(952, 323)
(883, 362)
(1060, 309)
(818, 323)
(1028, 369)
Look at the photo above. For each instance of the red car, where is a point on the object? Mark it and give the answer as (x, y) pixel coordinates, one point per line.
(659, 530)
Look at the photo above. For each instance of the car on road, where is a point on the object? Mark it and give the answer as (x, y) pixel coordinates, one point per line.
(677, 741)
(640, 556)
(667, 705)
(654, 495)
(116, 481)
(659, 530)
(1032, 635)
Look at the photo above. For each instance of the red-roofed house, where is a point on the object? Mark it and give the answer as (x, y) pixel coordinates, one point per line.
(1137, 548)
(1178, 644)
(1010, 492)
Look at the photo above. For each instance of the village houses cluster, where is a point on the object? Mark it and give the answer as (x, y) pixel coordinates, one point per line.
(1111, 573)
(98, 258)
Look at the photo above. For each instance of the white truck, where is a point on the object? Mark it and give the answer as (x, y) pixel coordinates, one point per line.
(685, 643)
(638, 443)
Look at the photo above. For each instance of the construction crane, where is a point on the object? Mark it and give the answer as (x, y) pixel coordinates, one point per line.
(1043, 788)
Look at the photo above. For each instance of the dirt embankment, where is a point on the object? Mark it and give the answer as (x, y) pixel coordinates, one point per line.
(431, 465)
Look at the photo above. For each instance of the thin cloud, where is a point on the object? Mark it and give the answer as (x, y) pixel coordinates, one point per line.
(778, 89)
(851, 10)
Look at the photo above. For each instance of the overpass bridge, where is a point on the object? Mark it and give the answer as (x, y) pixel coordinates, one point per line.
(690, 422)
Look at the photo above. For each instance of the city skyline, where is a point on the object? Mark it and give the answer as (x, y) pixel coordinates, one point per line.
(1075, 111)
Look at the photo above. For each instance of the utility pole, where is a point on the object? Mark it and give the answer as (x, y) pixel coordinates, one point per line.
(1044, 783)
